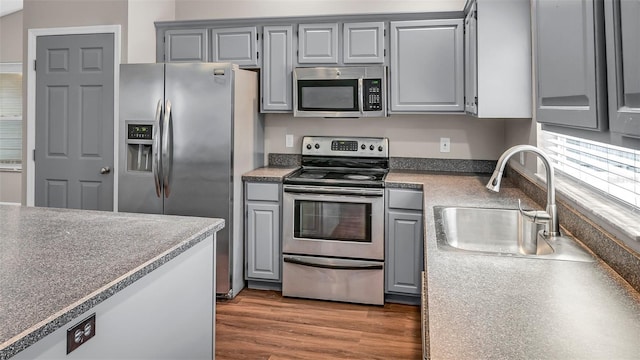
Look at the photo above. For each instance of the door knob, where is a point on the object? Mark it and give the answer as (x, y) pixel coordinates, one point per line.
(105, 170)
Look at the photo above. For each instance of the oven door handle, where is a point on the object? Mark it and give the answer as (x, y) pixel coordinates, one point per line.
(297, 261)
(334, 191)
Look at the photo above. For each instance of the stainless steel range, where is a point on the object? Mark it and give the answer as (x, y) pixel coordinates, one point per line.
(333, 221)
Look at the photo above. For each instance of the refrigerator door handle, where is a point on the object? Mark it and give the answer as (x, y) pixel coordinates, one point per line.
(167, 149)
(157, 176)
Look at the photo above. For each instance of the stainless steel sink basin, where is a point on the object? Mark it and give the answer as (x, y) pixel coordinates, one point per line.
(495, 232)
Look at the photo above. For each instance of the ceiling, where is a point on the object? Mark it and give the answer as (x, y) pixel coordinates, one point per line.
(9, 6)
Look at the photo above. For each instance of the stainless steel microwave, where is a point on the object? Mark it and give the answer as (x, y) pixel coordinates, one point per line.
(355, 91)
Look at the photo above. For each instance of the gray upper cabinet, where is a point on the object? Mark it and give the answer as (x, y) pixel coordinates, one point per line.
(623, 65)
(363, 43)
(277, 67)
(318, 43)
(570, 71)
(498, 86)
(189, 45)
(427, 66)
(236, 45)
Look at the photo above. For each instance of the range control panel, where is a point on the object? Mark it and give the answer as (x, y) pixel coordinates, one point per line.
(353, 146)
(372, 89)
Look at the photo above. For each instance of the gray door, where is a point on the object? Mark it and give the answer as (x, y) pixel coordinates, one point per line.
(74, 121)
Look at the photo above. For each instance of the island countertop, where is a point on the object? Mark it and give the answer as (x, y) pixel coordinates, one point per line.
(56, 264)
(494, 307)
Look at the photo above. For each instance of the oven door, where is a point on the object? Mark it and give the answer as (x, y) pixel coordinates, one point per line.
(333, 221)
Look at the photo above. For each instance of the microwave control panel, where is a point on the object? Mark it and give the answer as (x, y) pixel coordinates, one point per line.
(372, 89)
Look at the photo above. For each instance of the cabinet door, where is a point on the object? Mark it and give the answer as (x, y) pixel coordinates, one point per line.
(363, 43)
(623, 65)
(235, 45)
(404, 259)
(569, 82)
(318, 43)
(471, 62)
(185, 45)
(277, 67)
(427, 66)
(263, 240)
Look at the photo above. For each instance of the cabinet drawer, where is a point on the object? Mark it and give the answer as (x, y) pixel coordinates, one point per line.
(263, 191)
(404, 199)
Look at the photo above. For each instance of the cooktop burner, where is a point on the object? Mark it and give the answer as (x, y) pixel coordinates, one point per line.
(352, 162)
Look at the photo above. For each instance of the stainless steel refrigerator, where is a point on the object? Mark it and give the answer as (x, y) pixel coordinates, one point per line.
(188, 131)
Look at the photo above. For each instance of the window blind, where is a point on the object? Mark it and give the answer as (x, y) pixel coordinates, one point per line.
(611, 169)
(10, 118)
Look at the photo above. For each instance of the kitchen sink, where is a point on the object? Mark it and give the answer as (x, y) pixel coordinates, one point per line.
(487, 231)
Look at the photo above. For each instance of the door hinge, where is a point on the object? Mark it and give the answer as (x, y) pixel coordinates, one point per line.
(384, 53)
(257, 36)
(34, 65)
(257, 55)
(34, 154)
(475, 14)
(475, 99)
(384, 32)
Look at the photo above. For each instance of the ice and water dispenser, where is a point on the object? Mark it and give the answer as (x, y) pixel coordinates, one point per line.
(139, 147)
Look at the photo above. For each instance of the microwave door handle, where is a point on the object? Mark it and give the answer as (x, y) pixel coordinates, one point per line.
(157, 176)
(360, 97)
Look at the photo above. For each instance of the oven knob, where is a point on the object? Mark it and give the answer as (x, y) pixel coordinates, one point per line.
(317, 146)
(371, 147)
(380, 148)
(363, 146)
(308, 146)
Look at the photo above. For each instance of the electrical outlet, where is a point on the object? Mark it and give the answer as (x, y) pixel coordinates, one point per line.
(81, 333)
(445, 145)
(288, 140)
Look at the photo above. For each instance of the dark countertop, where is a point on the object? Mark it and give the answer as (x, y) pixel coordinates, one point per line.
(268, 174)
(492, 307)
(55, 264)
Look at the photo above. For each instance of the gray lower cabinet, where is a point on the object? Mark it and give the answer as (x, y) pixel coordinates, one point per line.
(427, 66)
(570, 68)
(262, 231)
(188, 45)
(235, 45)
(277, 67)
(623, 65)
(318, 43)
(404, 231)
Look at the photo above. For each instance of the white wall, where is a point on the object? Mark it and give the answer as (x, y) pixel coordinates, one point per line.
(10, 38)
(409, 135)
(142, 31)
(223, 9)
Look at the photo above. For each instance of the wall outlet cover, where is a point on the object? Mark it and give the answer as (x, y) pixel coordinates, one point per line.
(445, 145)
(288, 140)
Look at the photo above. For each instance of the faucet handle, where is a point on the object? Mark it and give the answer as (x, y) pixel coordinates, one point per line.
(535, 216)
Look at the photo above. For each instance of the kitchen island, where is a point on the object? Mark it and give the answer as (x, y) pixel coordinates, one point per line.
(148, 278)
(497, 307)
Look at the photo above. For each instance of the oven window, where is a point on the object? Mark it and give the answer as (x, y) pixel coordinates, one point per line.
(327, 95)
(332, 221)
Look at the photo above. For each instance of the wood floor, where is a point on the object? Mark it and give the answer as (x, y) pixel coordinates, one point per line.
(261, 324)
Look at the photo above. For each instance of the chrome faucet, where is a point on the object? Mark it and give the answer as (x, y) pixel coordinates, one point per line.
(553, 227)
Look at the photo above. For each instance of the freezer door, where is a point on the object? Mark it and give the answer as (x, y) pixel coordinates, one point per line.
(197, 151)
(141, 90)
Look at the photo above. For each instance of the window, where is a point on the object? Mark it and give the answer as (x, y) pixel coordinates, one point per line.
(11, 116)
(611, 169)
